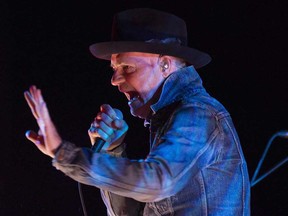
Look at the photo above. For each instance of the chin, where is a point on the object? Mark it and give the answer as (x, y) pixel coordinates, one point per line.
(141, 112)
(137, 114)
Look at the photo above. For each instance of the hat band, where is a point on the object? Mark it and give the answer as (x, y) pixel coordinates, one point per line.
(174, 41)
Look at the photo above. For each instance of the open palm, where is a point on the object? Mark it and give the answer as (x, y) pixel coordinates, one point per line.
(47, 140)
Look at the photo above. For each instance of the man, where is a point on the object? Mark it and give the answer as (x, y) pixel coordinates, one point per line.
(195, 165)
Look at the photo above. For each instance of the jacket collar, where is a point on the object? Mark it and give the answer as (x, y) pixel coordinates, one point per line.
(176, 86)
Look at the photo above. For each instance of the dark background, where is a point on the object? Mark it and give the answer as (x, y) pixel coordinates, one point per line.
(46, 43)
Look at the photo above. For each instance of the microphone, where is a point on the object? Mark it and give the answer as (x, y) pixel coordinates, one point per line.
(98, 144)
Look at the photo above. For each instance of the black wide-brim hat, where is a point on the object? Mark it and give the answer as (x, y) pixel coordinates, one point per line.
(149, 31)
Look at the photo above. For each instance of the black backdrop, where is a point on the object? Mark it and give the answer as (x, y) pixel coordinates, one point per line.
(46, 43)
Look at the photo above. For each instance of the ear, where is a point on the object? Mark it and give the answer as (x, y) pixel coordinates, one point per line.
(164, 65)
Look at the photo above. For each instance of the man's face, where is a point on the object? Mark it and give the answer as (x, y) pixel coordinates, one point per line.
(138, 76)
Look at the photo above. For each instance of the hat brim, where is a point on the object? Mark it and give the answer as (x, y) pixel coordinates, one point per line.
(104, 50)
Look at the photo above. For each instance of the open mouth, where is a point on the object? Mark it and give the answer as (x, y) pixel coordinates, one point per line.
(132, 96)
(133, 99)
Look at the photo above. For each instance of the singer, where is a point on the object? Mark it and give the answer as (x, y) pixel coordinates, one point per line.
(195, 165)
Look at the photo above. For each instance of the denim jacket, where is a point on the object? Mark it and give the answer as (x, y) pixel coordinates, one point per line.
(195, 165)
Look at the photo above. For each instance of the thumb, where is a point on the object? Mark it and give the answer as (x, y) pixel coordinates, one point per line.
(38, 140)
(34, 137)
(119, 123)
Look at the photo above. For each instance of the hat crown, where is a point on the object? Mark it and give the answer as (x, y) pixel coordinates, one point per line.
(144, 24)
(149, 30)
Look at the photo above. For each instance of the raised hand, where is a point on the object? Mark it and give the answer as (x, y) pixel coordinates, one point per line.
(110, 126)
(47, 140)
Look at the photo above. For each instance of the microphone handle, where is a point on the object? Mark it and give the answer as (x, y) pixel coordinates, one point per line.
(98, 144)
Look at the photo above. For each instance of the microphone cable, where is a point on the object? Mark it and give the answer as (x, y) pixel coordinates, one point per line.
(82, 199)
(98, 144)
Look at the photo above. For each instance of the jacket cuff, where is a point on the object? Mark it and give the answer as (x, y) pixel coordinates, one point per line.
(65, 153)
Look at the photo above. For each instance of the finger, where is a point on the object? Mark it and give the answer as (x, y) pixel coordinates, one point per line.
(108, 110)
(98, 132)
(116, 116)
(36, 98)
(103, 126)
(118, 113)
(31, 103)
(39, 96)
(41, 107)
(119, 124)
(32, 91)
(103, 135)
(36, 95)
(44, 112)
(101, 116)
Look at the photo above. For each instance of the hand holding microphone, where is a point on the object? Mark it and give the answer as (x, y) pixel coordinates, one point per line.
(108, 128)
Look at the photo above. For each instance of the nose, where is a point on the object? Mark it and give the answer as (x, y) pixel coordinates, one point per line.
(117, 78)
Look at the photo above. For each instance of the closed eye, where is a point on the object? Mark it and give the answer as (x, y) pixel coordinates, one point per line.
(128, 68)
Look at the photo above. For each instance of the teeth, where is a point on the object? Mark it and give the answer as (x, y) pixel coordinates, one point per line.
(133, 99)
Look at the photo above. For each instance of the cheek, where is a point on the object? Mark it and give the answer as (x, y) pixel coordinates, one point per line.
(137, 80)
(145, 81)
(148, 86)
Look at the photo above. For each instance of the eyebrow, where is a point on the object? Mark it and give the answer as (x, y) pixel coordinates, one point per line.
(118, 58)
(117, 65)
(122, 64)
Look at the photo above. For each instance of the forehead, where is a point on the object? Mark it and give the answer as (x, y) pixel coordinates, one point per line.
(131, 57)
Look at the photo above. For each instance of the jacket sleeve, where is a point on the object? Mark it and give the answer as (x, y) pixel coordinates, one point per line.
(163, 173)
(115, 204)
